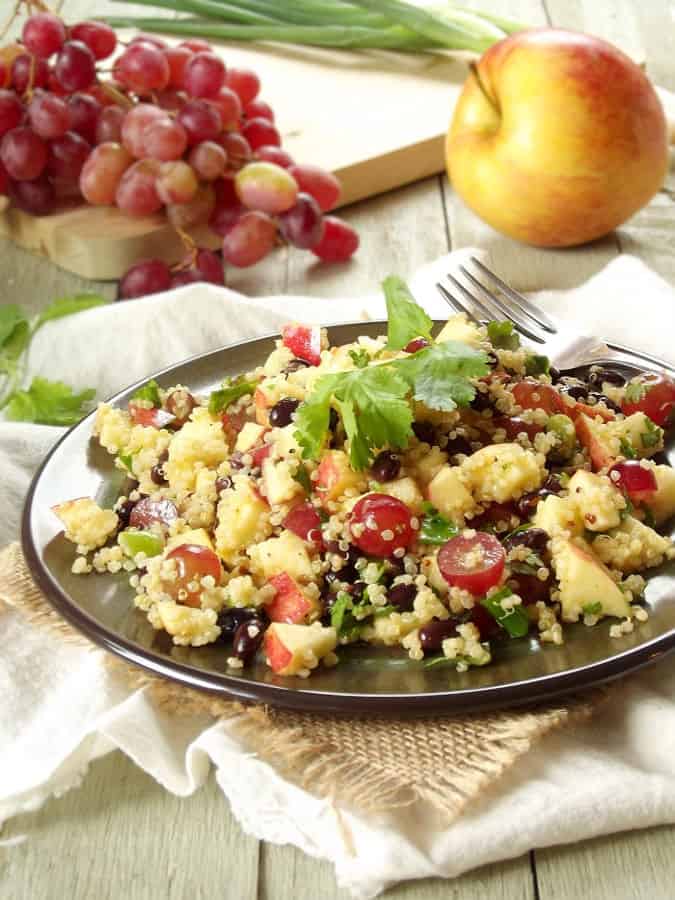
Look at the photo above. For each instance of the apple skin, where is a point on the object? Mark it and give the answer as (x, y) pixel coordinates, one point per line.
(563, 139)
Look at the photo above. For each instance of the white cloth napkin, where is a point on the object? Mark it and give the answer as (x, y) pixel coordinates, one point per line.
(62, 708)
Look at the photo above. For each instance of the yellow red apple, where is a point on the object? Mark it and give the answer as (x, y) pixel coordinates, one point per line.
(557, 138)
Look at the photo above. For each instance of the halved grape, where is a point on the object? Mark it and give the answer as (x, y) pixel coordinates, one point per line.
(142, 68)
(249, 240)
(266, 187)
(137, 189)
(102, 173)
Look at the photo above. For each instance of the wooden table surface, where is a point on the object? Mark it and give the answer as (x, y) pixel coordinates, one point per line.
(121, 835)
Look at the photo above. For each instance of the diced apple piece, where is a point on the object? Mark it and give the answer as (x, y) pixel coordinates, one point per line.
(85, 523)
(450, 495)
(429, 465)
(199, 444)
(596, 440)
(501, 472)
(585, 581)
(290, 604)
(557, 516)
(599, 502)
(335, 476)
(429, 568)
(662, 503)
(631, 547)
(292, 648)
(243, 519)
(280, 485)
(459, 328)
(197, 536)
(636, 435)
(407, 491)
(249, 436)
(286, 553)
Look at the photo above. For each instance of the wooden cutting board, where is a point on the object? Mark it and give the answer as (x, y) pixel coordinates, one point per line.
(376, 119)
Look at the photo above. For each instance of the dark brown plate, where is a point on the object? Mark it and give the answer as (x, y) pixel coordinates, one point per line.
(368, 679)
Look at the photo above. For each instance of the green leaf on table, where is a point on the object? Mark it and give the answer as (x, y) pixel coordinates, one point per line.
(14, 345)
(407, 319)
(10, 317)
(49, 403)
(68, 306)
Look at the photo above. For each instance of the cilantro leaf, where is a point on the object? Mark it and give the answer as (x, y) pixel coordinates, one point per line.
(360, 357)
(49, 403)
(149, 391)
(312, 418)
(652, 435)
(514, 621)
(407, 319)
(68, 306)
(435, 528)
(635, 391)
(230, 391)
(439, 375)
(303, 479)
(537, 364)
(592, 609)
(10, 317)
(502, 335)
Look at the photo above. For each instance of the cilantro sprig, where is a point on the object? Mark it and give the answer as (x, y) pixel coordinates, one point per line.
(435, 528)
(42, 401)
(231, 390)
(375, 402)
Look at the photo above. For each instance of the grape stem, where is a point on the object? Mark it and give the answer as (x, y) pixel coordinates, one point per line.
(191, 248)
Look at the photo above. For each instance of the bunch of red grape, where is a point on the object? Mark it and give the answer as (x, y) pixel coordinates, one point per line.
(174, 129)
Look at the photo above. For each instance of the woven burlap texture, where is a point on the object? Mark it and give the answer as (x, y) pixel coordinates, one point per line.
(361, 762)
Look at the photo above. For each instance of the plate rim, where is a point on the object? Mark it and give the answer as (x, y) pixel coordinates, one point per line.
(492, 697)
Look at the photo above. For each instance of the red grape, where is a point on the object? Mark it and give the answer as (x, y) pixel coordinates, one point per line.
(176, 182)
(322, 185)
(23, 154)
(43, 34)
(228, 208)
(339, 241)
(164, 139)
(237, 148)
(54, 86)
(85, 112)
(636, 480)
(474, 564)
(5, 76)
(209, 160)
(177, 57)
(249, 240)
(244, 83)
(170, 99)
(204, 75)
(149, 276)
(657, 400)
(134, 125)
(11, 111)
(100, 38)
(230, 107)
(142, 68)
(381, 524)
(35, 197)
(149, 511)
(258, 109)
(259, 132)
(303, 225)
(185, 276)
(109, 125)
(102, 172)
(137, 189)
(304, 521)
(75, 66)
(210, 267)
(277, 156)
(29, 72)
(201, 120)
(67, 156)
(197, 211)
(144, 38)
(196, 45)
(4, 181)
(266, 187)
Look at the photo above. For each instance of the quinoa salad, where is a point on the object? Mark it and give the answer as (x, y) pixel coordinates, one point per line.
(443, 495)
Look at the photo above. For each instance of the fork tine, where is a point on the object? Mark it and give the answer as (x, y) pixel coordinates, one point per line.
(456, 304)
(482, 307)
(521, 302)
(504, 309)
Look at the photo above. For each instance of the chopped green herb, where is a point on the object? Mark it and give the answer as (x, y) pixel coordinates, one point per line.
(406, 318)
(482, 660)
(231, 390)
(502, 335)
(435, 528)
(515, 621)
(592, 609)
(303, 479)
(635, 391)
(653, 435)
(342, 618)
(650, 521)
(360, 357)
(627, 449)
(67, 306)
(49, 403)
(537, 364)
(148, 392)
(384, 611)
(127, 460)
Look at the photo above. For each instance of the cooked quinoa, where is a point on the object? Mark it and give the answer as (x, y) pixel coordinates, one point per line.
(518, 507)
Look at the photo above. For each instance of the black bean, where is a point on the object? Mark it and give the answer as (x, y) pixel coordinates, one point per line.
(333, 419)
(295, 365)
(531, 588)
(424, 431)
(281, 413)
(247, 638)
(435, 632)
(402, 596)
(594, 397)
(124, 511)
(236, 460)
(224, 483)
(575, 391)
(482, 400)
(534, 538)
(386, 466)
(555, 374)
(394, 567)
(528, 502)
(231, 618)
(459, 445)
(552, 485)
(157, 474)
(598, 376)
(492, 359)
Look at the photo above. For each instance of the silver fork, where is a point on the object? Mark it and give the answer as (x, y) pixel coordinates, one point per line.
(566, 347)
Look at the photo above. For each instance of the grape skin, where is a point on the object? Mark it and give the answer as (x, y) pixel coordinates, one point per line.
(137, 189)
(102, 172)
(249, 240)
(23, 154)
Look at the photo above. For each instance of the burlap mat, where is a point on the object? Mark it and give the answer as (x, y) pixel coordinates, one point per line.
(362, 762)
